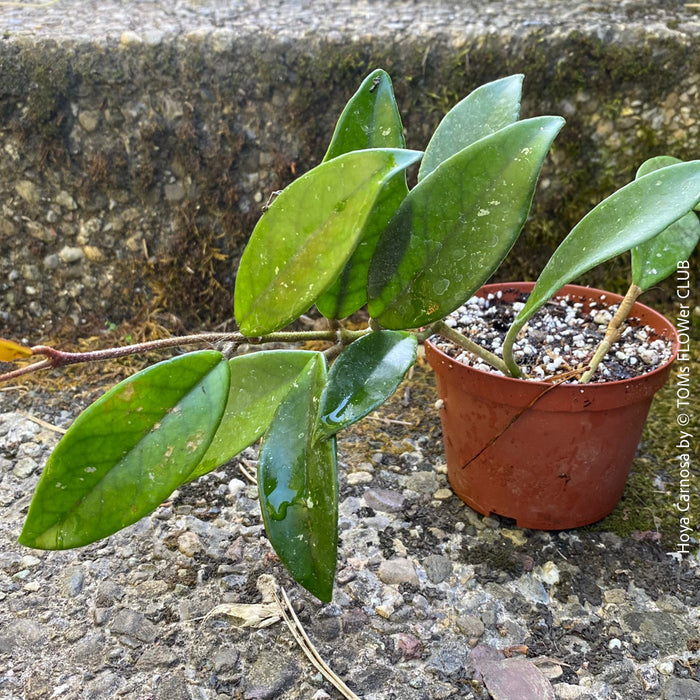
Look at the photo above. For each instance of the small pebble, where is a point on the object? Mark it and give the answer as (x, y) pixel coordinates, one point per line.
(189, 544)
(384, 500)
(395, 571)
(356, 478)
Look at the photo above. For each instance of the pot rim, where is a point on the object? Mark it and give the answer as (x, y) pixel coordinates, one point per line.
(580, 290)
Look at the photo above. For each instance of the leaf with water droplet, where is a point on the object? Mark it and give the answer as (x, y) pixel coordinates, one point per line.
(303, 241)
(259, 381)
(658, 258)
(437, 233)
(629, 217)
(370, 120)
(298, 485)
(128, 451)
(363, 378)
(481, 113)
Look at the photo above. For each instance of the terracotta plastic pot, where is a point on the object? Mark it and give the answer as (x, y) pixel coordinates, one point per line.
(565, 460)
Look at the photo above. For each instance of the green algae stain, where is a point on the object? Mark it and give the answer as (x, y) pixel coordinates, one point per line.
(652, 495)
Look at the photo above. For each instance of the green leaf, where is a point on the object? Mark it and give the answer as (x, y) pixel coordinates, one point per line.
(370, 120)
(456, 226)
(363, 378)
(632, 215)
(348, 293)
(656, 259)
(304, 239)
(298, 486)
(481, 113)
(656, 163)
(259, 382)
(127, 452)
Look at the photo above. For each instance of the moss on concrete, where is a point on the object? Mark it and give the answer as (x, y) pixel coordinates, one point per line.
(232, 121)
(649, 503)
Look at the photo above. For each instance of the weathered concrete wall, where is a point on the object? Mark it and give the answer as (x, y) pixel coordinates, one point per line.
(140, 141)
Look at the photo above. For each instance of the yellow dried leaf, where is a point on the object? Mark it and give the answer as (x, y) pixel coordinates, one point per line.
(10, 351)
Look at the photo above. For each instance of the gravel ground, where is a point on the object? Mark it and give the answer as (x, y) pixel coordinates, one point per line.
(432, 600)
(89, 19)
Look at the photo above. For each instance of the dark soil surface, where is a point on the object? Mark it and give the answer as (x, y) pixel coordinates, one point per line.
(561, 338)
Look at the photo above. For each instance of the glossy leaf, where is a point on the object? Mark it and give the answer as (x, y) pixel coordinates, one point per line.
(370, 120)
(656, 259)
(656, 163)
(304, 239)
(128, 451)
(259, 382)
(363, 378)
(481, 113)
(297, 485)
(10, 351)
(349, 291)
(629, 217)
(456, 226)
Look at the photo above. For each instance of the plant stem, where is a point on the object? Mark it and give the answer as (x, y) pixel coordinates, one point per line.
(512, 367)
(59, 358)
(44, 364)
(613, 331)
(463, 342)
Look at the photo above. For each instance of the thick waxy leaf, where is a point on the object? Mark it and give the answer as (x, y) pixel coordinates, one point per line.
(656, 163)
(484, 111)
(629, 217)
(348, 293)
(259, 382)
(649, 166)
(297, 485)
(456, 226)
(127, 452)
(304, 239)
(370, 120)
(656, 259)
(9, 351)
(363, 378)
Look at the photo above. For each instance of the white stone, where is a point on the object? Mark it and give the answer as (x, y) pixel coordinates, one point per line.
(69, 254)
(356, 478)
(549, 573)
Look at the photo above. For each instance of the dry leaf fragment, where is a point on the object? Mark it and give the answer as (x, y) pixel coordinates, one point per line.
(257, 615)
(10, 351)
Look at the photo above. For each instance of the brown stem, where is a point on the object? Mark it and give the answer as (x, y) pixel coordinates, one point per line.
(59, 358)
(613, 331)
(44, 364)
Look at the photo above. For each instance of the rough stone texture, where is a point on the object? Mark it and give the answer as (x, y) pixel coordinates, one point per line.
(141, 140)
(423, 596)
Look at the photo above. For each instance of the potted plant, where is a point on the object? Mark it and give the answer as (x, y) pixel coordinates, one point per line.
(348, 234)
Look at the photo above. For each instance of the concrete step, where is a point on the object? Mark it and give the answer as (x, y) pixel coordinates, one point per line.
(140, 140)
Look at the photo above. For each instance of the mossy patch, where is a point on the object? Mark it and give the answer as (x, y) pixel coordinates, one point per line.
(648, 507)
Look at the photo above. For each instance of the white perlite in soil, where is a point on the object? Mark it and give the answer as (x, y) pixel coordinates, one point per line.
(560, 337)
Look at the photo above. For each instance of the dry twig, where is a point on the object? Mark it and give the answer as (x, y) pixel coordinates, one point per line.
(42, 423)
(295, 627)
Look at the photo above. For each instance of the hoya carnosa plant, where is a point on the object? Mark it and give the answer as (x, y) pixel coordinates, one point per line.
(347, 234)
